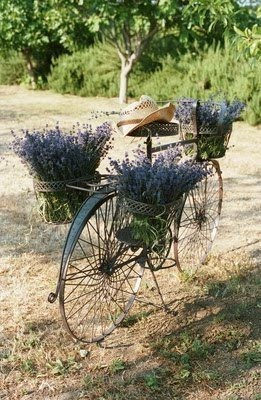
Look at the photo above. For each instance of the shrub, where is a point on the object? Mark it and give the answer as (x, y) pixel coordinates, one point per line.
(12, 69)
(211, 71)
(93, 72)
(214, 71)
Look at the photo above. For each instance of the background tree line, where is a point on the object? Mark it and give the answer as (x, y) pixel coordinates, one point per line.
(129, 47)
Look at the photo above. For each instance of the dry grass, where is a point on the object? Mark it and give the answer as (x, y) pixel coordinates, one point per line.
(208, 346)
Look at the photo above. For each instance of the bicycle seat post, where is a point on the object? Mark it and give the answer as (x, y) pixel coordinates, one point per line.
(194, 117)
(149, 146)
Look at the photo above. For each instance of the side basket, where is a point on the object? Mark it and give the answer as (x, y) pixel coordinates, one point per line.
(213, 144)
(58, 201)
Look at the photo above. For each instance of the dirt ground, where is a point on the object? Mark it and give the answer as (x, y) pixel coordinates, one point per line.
(30, 252)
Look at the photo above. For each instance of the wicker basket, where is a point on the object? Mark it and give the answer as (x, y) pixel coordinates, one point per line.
(212, 141)
(213, 144)
(150, 210)
(57, 203)
(148, 223)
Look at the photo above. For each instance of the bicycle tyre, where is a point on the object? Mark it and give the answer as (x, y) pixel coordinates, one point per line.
(198, 222)
(101, 275)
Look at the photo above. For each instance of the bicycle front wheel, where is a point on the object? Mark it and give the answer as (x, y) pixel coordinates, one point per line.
(198, 222)
(101, 275)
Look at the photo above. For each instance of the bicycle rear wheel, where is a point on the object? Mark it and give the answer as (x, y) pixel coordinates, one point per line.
(101, 275)
(198, 222)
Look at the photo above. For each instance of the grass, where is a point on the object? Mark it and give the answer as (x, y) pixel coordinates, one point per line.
(212, 344)
(206, 347)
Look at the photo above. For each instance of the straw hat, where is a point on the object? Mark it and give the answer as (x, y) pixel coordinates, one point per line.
(143, 112)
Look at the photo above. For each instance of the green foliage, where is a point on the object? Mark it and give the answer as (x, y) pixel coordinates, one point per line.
(86, 74)
(208, 14)
(152, 381)
(211, 72)
(117, 365)
(131, 25)
(41, 30)
(252, 356)
(12, 69)
(33, 24)
(28, 366)
(148, 230)
(184, 350)
(197, 75)
(249, 40)
(62, 367)
(132, 319)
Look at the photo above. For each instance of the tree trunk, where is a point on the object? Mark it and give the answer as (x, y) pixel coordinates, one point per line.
(126, 67)
(123, 86)
(130, 51)
(30, 67)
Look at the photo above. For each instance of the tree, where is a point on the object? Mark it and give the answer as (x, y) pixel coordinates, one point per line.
(39, 31)
(248, 32)
(42, 29)
(241, 17)
(130, 25)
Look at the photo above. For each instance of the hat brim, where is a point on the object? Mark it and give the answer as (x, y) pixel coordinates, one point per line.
(165, 113)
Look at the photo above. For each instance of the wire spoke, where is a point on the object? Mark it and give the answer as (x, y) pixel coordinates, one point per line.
(102, 275)
(199, 220)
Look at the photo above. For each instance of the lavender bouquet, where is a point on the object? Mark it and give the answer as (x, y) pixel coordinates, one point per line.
(159, 184)
(214, 124)
(55, 158)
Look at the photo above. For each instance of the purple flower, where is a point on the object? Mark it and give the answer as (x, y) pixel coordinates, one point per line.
(159, 182)
(53, 155)
(209, 113)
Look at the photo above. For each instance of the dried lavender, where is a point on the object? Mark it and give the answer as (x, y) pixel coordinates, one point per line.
(209, 112)
(160, 182)
(52, 155)
(183, 110)
(214, 123)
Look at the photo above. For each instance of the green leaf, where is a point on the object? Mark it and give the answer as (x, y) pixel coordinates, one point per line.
(238, 31)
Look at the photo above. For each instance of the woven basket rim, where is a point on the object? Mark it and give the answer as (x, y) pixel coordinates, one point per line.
(213, 130)
(215, 135)
(43, 186)
(167, 205)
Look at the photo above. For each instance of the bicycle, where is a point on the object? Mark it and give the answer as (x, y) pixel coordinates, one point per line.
(101, 271)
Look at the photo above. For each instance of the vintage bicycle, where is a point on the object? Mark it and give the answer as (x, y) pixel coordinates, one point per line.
(102, 267)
